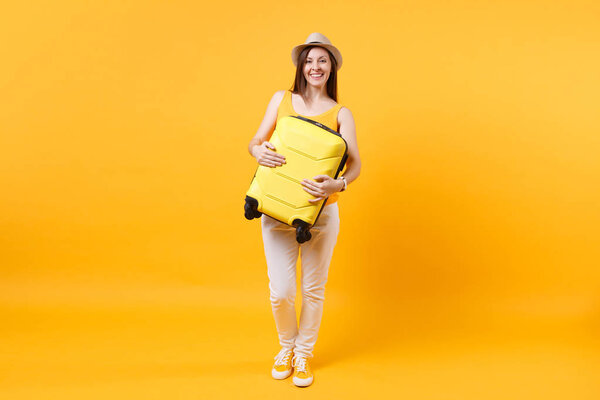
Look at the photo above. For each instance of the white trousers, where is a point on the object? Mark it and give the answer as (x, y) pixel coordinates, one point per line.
(281, 252)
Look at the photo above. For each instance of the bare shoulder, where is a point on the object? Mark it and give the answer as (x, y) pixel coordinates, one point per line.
(277, 97)
(275, 102)
(345, 116)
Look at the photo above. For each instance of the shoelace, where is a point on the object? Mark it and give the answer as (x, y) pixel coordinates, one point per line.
(300, 363)
(283, 357)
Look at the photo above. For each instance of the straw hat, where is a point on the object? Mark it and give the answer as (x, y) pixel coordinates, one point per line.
(317, 39)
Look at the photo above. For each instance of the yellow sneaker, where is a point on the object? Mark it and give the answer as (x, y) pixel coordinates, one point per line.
(303, 375)
(283, 364)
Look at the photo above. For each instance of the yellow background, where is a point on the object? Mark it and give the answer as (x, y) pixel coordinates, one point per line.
(467, 263)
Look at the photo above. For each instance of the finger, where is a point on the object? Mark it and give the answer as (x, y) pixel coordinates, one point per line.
(313, 201)
(267, 163)
(281, 155)
(315, 189)
(311, 182)
(273, 158)
(312, 192)
(312, 186)
(269, 145)
(276, 156)
(266, 158)
(321, 178)
(273, 154)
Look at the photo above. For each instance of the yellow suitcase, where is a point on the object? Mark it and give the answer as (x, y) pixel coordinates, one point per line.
(310, 148)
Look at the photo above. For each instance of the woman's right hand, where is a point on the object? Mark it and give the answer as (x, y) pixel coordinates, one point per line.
(265, 155)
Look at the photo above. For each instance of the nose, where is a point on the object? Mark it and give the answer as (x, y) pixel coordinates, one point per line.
(314, 66)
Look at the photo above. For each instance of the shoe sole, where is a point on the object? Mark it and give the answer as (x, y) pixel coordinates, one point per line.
(303, 382)
(280, 375)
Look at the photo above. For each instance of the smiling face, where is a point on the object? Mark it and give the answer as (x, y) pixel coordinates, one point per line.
(317, 67)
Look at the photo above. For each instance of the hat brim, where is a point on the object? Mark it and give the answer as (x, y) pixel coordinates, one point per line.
(336, 53)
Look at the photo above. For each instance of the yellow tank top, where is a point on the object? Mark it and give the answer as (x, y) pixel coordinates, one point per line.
(328, 118)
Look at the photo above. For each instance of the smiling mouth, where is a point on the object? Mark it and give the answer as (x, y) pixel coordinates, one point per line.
(316, 76)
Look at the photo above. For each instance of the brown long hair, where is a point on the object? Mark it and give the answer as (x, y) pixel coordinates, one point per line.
(300, 83)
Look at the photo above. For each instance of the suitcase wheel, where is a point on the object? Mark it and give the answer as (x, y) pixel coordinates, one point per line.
(302, 231)
(251, 208)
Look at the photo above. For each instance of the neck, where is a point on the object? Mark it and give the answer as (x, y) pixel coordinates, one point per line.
(315, 93)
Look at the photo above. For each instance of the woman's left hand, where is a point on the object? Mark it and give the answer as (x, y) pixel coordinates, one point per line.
(322, 187)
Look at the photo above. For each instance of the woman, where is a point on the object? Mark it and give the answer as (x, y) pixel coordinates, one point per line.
(314, 95)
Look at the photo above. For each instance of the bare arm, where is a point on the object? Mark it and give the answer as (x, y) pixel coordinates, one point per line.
(348, 132)
(259, 147)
